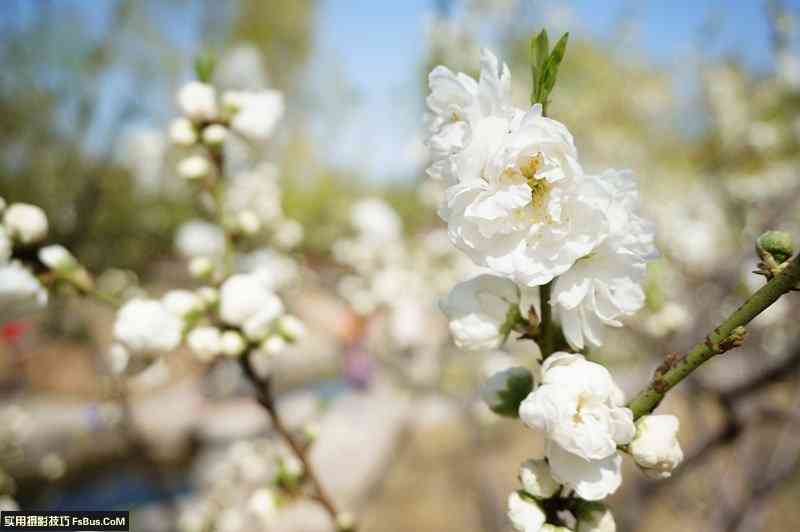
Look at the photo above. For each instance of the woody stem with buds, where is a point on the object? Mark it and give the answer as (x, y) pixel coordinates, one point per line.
(728, 335)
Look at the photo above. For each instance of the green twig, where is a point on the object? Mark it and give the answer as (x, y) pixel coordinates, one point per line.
(728, 335)
(547, 326)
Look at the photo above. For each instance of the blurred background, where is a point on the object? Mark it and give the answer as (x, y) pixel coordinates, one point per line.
(701, 99)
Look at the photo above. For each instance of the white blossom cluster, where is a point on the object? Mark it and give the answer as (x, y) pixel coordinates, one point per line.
(236, 310)
(518, 203)
(390, 277)
(241, 487)
(24, 260)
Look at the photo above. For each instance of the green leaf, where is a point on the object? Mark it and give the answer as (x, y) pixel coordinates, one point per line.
(505, 390)
(553, 62)
(540, 48)
(204, 67)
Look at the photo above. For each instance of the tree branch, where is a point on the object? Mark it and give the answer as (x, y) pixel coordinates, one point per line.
(265, 398)
(728, 335)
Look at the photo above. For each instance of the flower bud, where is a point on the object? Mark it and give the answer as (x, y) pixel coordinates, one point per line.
(655, 447)
(194, 167)
(208, 295)
(182, 132)
(57, 258)
(505, 390)
(595, 517)
(524, 513)
(201, 267)
(779, 244)
(537, 479)
(345, 522)
(205, 342)
(215, 134)
(198, 101)
(26, 223)
(248, 223)
(182, 303)
(273, 345)
(233, 344)
(291, 328)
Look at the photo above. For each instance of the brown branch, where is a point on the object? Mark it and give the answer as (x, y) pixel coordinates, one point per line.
(265, 398)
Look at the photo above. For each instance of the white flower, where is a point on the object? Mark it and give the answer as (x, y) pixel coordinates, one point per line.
(525, 515)
(288, 233)
(255, 114)
(205, 342)
(606, 284)
(26, 223)
(146, 325)
(375, 220)
(537, 479)
(57, 257)
(232, 344)
(21, 293)
(246, 297)
(182, 303)
(201, 267)
(198, 238)
(248, 222)
(597, 520)
(182, 132)
(273, 345)
(580, 410)
(215, 134)
(478, 309)
(194, 167)
(655, 447)
(456, 103)
(263, 504)
(198, 101)
(291, 327)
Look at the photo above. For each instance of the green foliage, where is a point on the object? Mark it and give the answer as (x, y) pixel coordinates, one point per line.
(544, 66)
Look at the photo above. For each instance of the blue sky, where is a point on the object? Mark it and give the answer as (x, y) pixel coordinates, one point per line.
(381, 44)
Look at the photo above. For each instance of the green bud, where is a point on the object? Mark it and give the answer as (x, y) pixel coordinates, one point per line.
(505, 390)
(204, 67)
(779, 244)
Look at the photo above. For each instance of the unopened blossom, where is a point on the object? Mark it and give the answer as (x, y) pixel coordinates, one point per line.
(182, 132)
(198, 238)
(246, 297)
(21, 293)
(194, 167)
(288, 233)
(25, 223)
(537, 479)
(525, 514)
(205, 342)
(198, 101)
(248, 223)
(598, 519)
(146, 325)
(655, 447)
(478, 310)
(255, 113)
(263, 504)
(232, 343)
(274, 345)
(291, 327)
(580, 411)
(215, 134)
(515, 201)
(606, 284)
(201, 267)
(182, 303)
(57, 257)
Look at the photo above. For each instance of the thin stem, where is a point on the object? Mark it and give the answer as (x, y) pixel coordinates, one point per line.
(266, 399)
(546, 326)
(729, 334)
